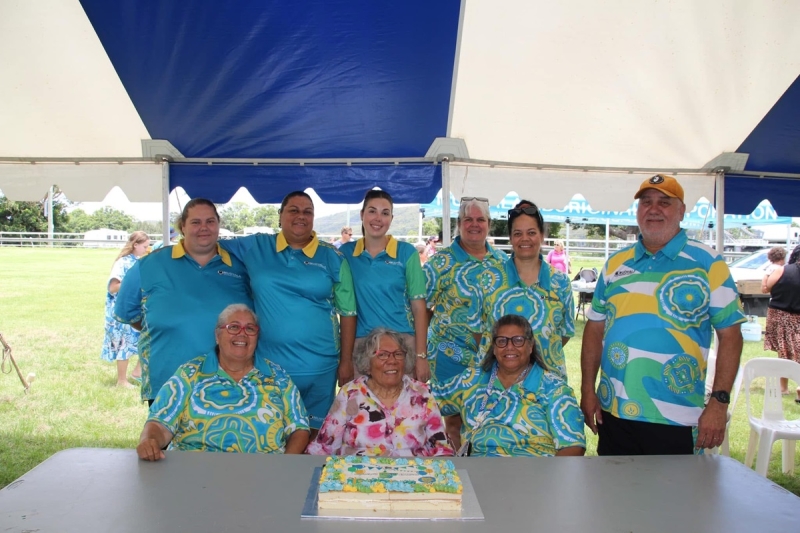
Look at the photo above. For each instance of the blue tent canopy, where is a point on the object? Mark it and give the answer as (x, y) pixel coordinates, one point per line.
(344, 95)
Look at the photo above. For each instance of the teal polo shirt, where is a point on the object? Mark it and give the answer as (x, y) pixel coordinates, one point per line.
(385, 285)
(178, 303)
(297, 295)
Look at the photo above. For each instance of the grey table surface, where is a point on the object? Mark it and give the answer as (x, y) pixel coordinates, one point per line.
(108, 490)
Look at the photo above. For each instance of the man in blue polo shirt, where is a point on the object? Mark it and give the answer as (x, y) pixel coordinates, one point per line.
(175, 294)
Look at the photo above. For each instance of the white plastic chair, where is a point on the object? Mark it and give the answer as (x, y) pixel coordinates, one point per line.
(772, 425)
(711, 368)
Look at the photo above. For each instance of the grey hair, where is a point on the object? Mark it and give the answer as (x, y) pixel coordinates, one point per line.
(483, 206)
(527, 332)
(362, 357)
(226, 313)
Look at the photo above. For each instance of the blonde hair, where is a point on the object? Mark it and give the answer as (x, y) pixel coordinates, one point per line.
(135, 238)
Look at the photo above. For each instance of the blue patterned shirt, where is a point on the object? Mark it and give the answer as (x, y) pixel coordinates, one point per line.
(206, 410)
(547, 306)
(457, 283)
(537, 417)
(660, 311)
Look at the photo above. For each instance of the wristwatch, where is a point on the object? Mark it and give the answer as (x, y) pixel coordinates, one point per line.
(721, 396)
(422, 355)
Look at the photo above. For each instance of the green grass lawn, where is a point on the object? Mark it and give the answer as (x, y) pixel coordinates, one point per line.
(51, 313)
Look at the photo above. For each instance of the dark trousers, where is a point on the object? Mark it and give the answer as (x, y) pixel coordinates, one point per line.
(629, 437)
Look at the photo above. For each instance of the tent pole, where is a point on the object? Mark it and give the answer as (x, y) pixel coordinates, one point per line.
(165, 202)
(445, 202)
(720, 205)
(608, 236)
(49, 209)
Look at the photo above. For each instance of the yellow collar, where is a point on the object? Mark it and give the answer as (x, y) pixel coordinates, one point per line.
(391, 247)
(179, 251)
(309, 250)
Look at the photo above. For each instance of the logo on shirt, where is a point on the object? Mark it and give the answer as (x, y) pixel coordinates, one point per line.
(620, 273)
(394, 263)
(309, 263)
(229, 274)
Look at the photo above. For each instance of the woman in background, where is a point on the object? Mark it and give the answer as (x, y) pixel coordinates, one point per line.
(388, 280)
(121, 340)
(557, 258)
(782, 334)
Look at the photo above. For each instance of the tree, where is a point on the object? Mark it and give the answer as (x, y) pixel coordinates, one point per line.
(236, 216)
(266, 216)
(79, 222)
(431, 226)
(30, 216)
(111, 218)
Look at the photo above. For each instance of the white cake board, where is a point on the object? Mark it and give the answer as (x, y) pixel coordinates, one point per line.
(470, 508)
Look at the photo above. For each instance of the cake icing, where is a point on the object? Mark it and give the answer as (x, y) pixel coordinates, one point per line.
(383, 483)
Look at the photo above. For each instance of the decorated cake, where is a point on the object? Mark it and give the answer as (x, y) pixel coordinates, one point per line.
(389, 484)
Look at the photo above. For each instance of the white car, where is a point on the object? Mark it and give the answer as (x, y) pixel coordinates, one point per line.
(752, 266)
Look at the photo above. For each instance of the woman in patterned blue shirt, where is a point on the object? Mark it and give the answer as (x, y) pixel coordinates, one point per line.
(511, 405)
(227, 401)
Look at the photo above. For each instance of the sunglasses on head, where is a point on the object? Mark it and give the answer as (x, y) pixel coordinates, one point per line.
(473, 199)
(529, 210)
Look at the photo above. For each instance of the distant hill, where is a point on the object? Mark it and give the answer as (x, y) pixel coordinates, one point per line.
(405, 223)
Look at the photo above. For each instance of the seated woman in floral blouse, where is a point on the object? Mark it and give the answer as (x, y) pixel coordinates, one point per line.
(384, 412)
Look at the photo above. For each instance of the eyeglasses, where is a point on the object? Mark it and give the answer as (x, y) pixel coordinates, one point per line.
(516, 340)
(251, 330)
(473, 198)
(383, 355)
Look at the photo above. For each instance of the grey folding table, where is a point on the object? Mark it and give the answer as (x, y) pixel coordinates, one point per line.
(106, 490)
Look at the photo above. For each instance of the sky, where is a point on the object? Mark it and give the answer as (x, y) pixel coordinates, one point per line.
(177, 199)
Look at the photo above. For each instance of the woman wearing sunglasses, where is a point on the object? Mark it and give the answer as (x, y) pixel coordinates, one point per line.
(532, 288)
(388, 280)
(383, 412)
(227, 401)
(511, 405)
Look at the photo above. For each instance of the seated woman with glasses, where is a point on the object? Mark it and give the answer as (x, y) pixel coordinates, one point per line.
(227, 401)
(384, 412)
(530, 287)
(511, 405)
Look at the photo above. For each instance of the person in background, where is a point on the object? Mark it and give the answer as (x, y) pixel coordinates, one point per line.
(121, 340)
(430, 246)
(532, 288)
(557, 258)
(174, 295)
(422, 250)
(347, 235)
(457, 278)
(173, 238)
(388, 280)
(777, 258)
(227, 400)
(511, 405)
(655, 309)
(782, 333)
(384, 412)
(304, 296)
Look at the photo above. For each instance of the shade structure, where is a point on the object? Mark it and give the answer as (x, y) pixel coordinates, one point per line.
(699, 215)
(543, 98)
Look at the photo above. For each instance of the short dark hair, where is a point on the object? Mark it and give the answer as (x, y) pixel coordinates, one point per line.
(292, 195)
(194, 202)
(527, 332)
(513, 216)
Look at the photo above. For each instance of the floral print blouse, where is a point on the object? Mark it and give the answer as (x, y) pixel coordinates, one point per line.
(359, 424)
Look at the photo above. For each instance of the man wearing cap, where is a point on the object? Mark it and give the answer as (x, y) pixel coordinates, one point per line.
(656, 307)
